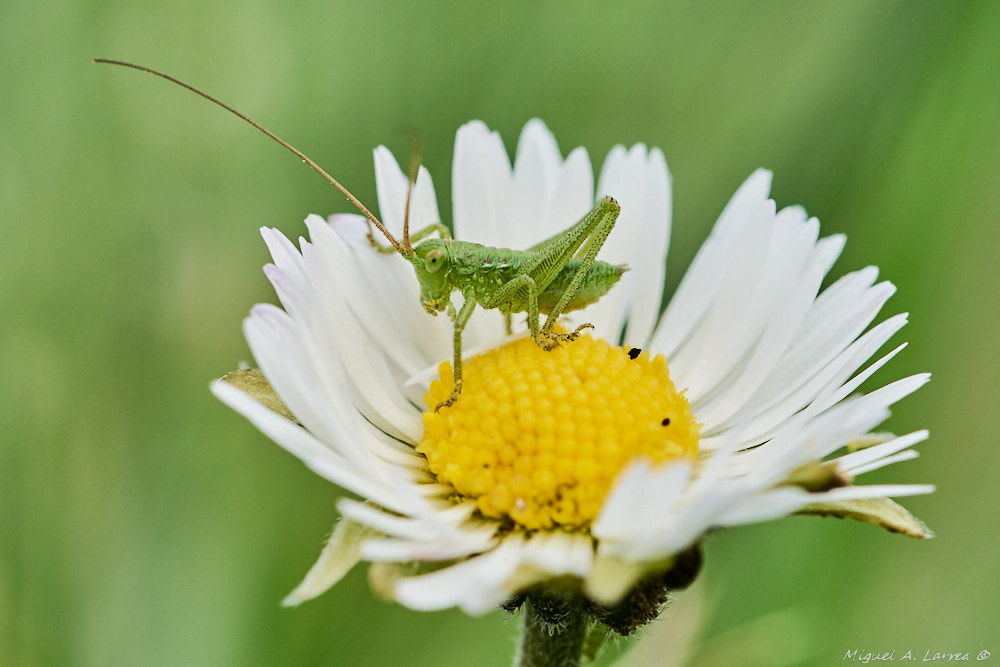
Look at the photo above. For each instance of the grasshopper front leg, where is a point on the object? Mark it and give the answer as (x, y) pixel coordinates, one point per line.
(438, 227)
(501, 296)
(460, 320)
(524, 285)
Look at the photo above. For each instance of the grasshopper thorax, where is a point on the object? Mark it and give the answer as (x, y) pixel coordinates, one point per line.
(431, 261)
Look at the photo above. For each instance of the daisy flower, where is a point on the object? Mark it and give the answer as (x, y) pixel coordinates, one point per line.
(597, 468)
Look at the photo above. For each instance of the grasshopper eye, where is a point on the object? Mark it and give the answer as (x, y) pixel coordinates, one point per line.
(434, 261)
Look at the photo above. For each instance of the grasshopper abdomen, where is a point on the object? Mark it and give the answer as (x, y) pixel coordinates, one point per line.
(600, 278)
(484, 270)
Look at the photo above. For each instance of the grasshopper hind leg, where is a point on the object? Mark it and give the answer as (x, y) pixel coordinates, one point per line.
(583, 240)
(550, 340)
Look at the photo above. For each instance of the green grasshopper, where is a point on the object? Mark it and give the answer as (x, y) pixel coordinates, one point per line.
(553, 277)
(558, 275)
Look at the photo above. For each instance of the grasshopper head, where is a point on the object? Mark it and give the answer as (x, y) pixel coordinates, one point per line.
(432, 263)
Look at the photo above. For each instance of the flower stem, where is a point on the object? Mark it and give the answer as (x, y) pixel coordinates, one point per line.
(553, 630)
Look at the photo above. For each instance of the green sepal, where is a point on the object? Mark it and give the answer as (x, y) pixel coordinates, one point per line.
(384, 575)
(251, 381)
(597, 639)
(881, 511)
(817, 477)
(341, 553)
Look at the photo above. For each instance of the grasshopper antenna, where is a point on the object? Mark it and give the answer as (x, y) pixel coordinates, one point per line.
(415, 156)
(407, 252)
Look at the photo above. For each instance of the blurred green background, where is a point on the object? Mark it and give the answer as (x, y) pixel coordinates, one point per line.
(142, 522)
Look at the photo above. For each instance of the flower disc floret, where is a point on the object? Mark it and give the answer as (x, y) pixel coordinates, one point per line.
(538, 437)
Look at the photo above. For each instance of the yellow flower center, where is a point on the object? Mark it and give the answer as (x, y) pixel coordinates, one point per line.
(538, 437)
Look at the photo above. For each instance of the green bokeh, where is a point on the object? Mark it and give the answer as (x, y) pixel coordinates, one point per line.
(142, 522)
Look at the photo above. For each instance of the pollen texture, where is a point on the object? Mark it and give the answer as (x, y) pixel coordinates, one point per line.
(538, 437)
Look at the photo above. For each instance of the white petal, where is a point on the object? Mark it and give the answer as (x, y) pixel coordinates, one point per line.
(533, 180)
(480, 184)
(800, 286)
(315, 394)
(714, 346)
(317, 456)
(828, 380)
(560, 553)
(476, 585)
(703, 278)
(323, 329)
(766, 506)
(908, 455)
(390, 285)
(610, 579)
(392, 185)
(860, 461)
(571, 197)
(378, 395)
(640, 495)
(639, 180)
(874, 491)
(403, 527)
(388, 312)
(483, 582)
(547, 194)
(286, 257)
(667, 522)
(838, 316)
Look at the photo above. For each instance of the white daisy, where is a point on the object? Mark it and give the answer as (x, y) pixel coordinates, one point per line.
(767, 422)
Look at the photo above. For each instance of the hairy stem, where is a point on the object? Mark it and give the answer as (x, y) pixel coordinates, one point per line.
(552, 632)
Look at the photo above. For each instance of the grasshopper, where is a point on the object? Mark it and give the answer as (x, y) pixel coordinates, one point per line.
(558, 275)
